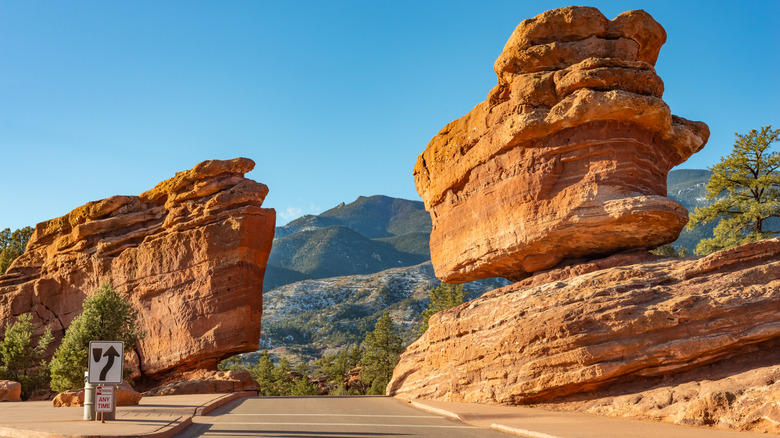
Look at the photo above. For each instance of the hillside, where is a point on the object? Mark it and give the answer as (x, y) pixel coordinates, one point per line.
(314, 317)
(367, 236)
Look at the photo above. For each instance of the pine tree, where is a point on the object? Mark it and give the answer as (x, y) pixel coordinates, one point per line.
(745, 187)
(263, 373)
(12, 245)
(443, 297)
(381, 349)
(107, 316)
(22, 362)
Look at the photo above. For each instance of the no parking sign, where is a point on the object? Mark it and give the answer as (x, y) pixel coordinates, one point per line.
(104, 398)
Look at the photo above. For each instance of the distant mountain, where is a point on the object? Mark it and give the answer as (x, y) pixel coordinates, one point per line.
(314, 317)
(689, 188)
(367, 236)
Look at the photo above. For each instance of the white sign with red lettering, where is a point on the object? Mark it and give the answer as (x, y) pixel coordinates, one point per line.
(104, 398)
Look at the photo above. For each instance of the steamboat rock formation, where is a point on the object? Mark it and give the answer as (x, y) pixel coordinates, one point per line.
(566, 158)
(191, 253)
(697, 339)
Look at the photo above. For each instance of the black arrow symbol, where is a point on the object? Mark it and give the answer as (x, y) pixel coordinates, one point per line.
(111, 353)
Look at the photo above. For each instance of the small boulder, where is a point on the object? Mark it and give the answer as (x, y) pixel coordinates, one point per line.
(10, 391)
(126, 396)
(67, 399)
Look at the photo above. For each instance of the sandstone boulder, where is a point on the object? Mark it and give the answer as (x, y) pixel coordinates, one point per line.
(604, 340)
(191, 253)
(68, 399)
(566, 158)
(10, 391)
(125, 396)
(209, 383)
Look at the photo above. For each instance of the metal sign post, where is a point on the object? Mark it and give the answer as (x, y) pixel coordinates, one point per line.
(106, 366)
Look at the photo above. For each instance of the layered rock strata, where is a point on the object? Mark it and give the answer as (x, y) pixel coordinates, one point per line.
(614, 336)
(191, 253)
(566, 158)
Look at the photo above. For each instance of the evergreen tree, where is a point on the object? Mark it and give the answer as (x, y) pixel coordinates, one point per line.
(443, 297)
(745, 187)
(263, 373)
(337, 369)
(107, 316)
(22, 362)
(669, 250)
(381, 349)
(281, 376)
(301, 385)
(12, 245)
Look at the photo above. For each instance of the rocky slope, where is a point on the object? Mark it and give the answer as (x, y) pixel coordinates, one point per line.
(694, 341)
(191, 253)
(323, 315)
(566, 158)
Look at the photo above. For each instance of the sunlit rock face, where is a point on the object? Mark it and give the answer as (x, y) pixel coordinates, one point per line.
(691, 341)
(566, 158)
(191, 253)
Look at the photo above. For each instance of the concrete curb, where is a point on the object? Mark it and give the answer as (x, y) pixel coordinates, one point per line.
(174, 427)
(495, 426)
(433, 410)
(522, 432)
(227, 398)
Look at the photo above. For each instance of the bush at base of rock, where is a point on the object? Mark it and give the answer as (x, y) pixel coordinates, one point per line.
(10, 391)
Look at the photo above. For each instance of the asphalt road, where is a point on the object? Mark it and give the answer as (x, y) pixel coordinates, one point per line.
(329, 417)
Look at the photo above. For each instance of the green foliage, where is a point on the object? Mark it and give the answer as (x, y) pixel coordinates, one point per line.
(22, 362)
(670, 250)
(443, 297)
(12, 245)
(301, 385)
(107, 316)
(745, 189)
(263, 373)
(337, 369)
(381, 349)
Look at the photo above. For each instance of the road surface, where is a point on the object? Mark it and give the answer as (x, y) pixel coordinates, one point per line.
(329, 417)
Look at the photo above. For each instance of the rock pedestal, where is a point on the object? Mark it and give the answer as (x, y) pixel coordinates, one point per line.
(604, 340)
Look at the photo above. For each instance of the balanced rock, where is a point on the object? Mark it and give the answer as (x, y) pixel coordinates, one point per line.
(614, 336)
(190, 253)
(566, 158)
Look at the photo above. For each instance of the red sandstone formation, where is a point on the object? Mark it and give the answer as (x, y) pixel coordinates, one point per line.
(701, 335)
(191, 253)
(208, 382)
(566, 158)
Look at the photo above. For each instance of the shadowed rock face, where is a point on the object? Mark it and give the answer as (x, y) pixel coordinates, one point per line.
(566, 158)
(191, 253)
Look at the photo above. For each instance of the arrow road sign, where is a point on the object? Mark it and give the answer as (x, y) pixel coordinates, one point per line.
(106, 361)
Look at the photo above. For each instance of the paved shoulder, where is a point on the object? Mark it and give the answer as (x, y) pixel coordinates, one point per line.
(329, 416)
(540, 423)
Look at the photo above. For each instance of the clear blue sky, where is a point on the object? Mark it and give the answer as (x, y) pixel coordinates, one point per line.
(332, 99)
